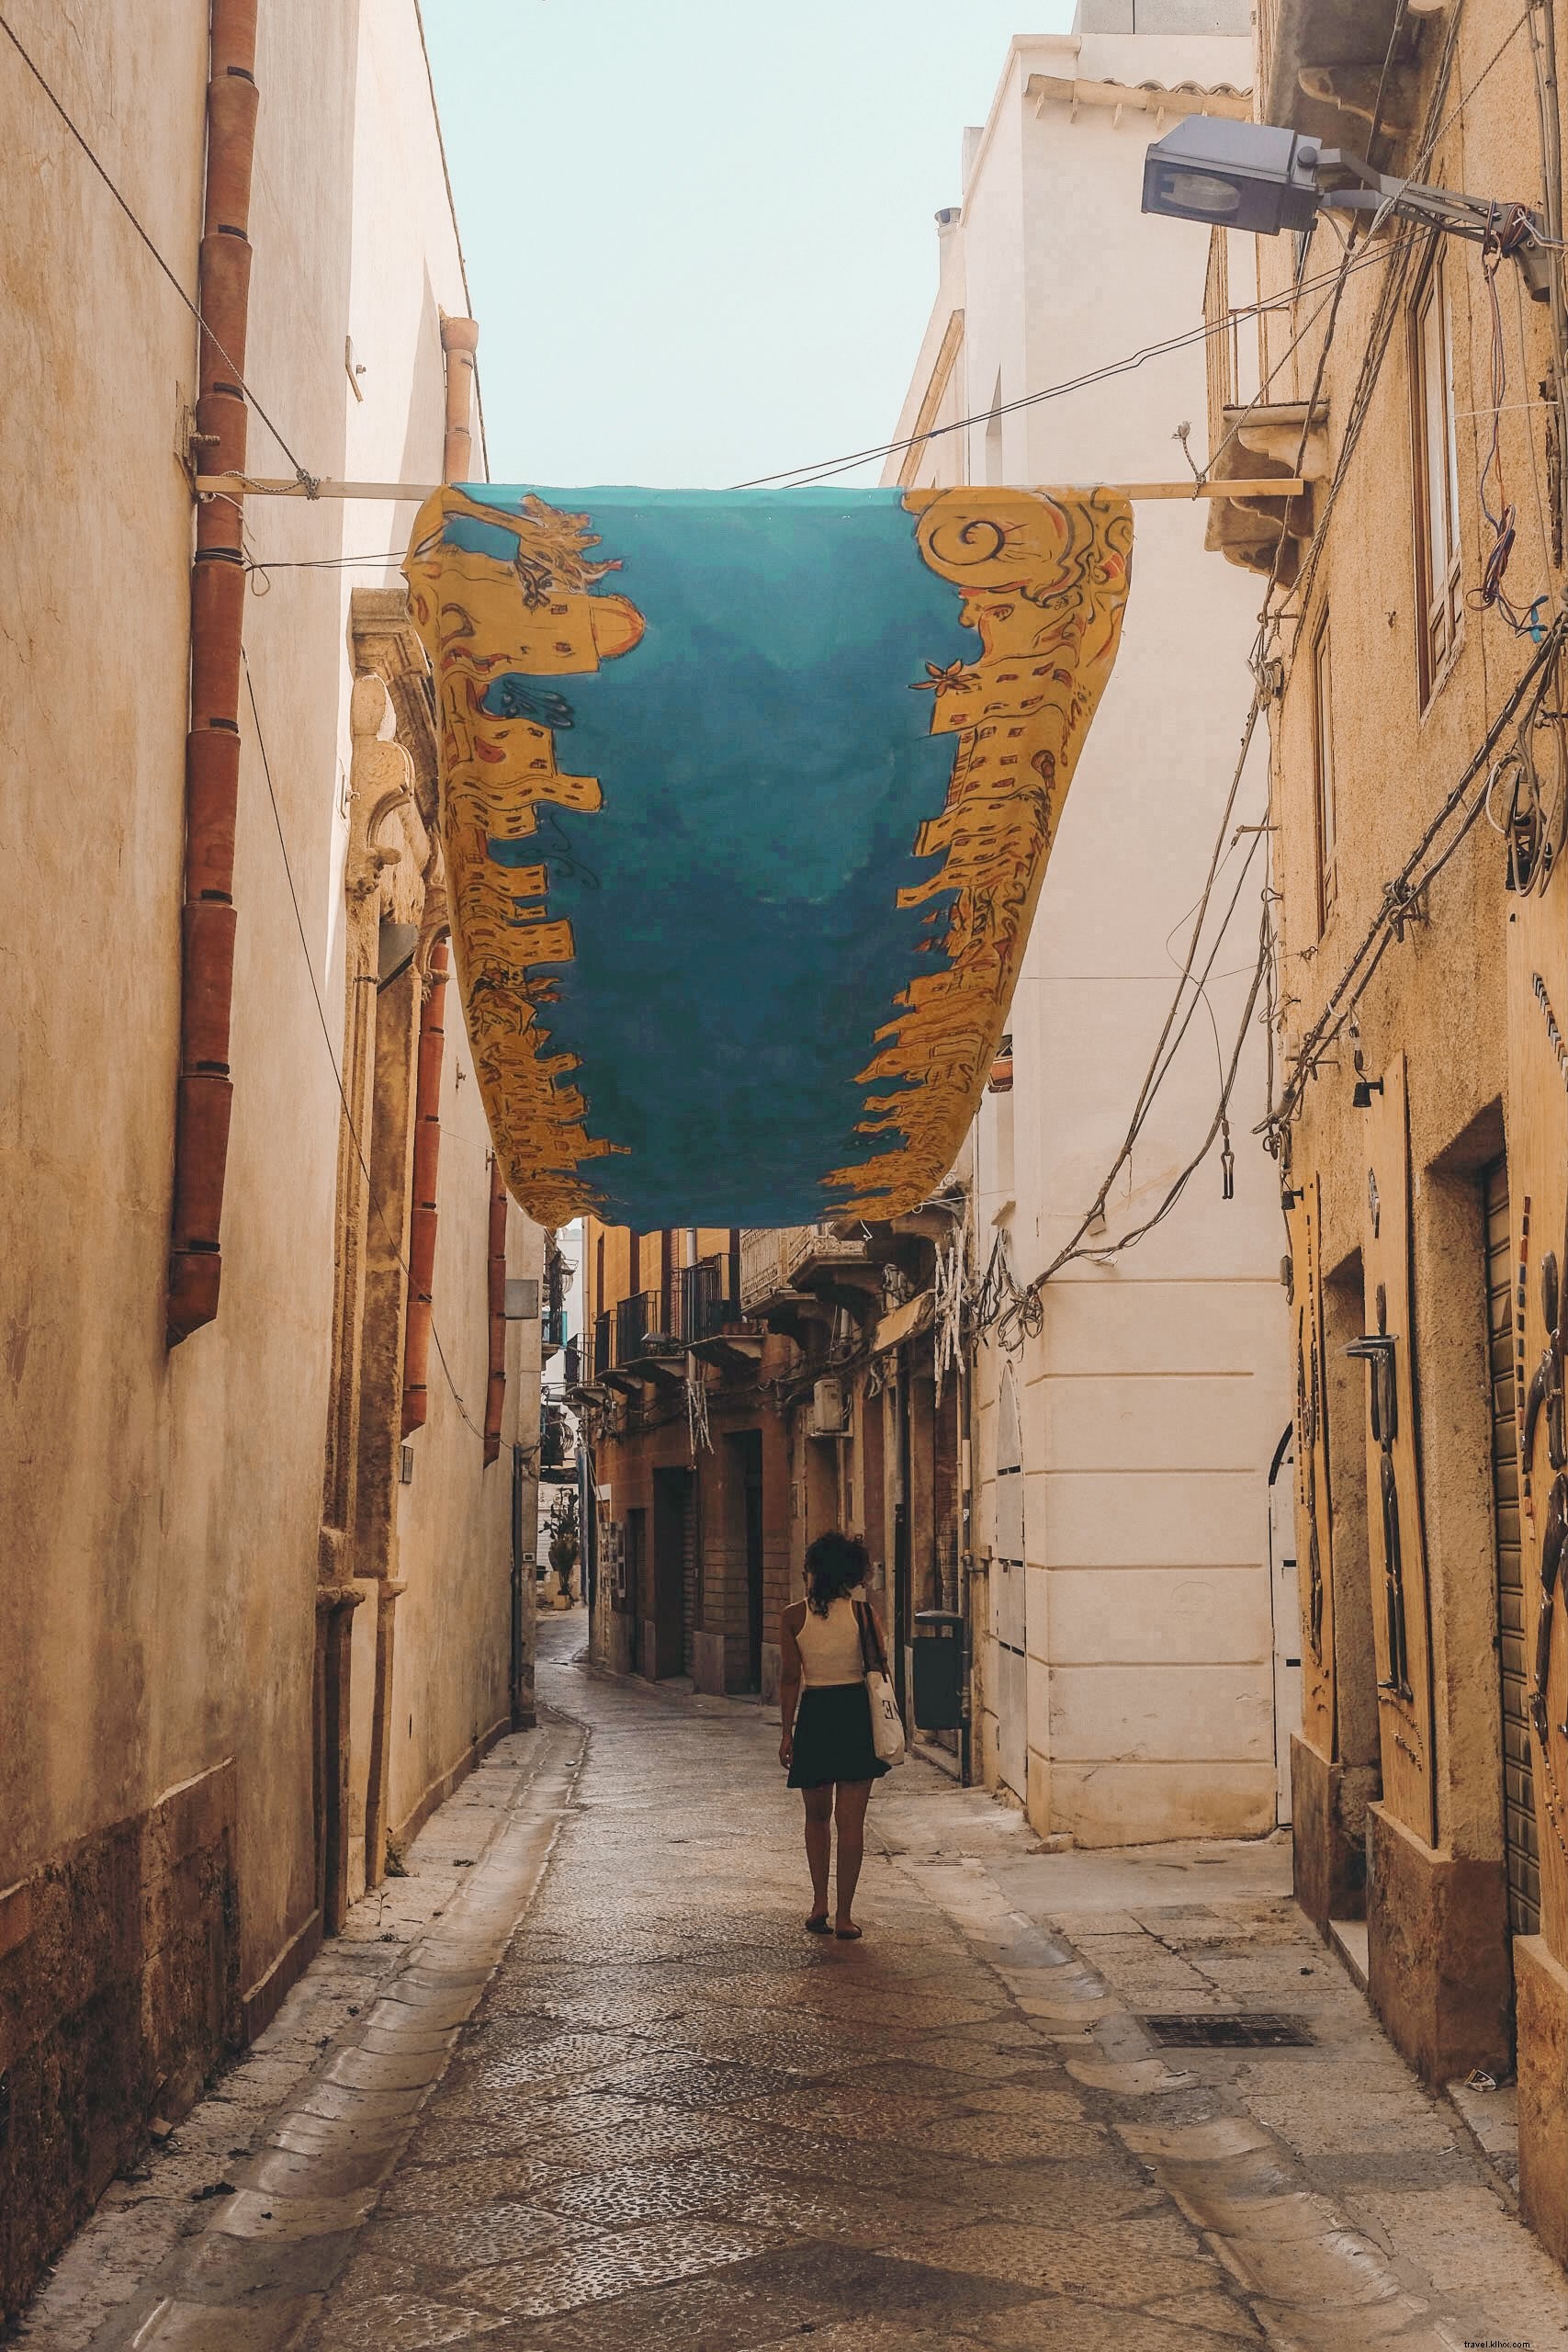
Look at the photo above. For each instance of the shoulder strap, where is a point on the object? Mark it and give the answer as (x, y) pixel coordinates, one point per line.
(862, 1615)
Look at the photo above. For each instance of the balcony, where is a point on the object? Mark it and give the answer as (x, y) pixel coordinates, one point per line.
(552, 1329)
(644, 1347)
(799, 1274)
(708, 1320)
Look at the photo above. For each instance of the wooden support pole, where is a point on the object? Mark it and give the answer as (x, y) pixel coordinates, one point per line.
(414, 493)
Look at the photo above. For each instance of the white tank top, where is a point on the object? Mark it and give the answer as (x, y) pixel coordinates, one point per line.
(829, 1646)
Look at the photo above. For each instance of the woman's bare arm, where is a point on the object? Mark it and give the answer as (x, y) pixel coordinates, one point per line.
(789, 1685)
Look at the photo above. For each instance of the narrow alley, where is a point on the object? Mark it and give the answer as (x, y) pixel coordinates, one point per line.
(657, 2111)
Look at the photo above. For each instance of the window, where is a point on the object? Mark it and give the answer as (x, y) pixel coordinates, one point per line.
(1325, 824)
(1439, 600)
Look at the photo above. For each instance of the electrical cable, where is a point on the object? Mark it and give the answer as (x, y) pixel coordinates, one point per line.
(1397, 906)
(309, 482)
(332, 1056)
(826, 468)
(1370, 369)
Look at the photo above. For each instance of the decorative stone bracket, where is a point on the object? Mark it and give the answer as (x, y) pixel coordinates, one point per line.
(1262, 441)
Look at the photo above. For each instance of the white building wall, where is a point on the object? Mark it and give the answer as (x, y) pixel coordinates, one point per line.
(1153, 1397)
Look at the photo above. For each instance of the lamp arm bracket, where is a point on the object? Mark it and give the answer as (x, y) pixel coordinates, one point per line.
(1435, 208)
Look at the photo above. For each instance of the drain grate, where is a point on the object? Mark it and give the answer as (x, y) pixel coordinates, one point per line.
(1254, 2030)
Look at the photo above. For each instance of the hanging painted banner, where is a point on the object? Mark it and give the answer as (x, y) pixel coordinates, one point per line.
(742, 834)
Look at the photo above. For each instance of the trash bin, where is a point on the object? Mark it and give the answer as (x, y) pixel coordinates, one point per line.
(938, 1652)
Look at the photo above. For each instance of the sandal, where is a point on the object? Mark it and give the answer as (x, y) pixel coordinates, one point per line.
(849, 1935)
(818, 1925)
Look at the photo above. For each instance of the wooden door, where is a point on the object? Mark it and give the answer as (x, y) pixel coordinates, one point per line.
(671, 1515)
(1516, 1628)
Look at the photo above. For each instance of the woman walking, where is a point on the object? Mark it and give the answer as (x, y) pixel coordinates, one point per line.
(825, 1643)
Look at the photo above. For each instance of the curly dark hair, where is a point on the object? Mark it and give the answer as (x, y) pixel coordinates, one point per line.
(835, 1564)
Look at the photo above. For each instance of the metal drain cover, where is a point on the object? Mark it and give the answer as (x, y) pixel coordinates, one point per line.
(1253, 2031)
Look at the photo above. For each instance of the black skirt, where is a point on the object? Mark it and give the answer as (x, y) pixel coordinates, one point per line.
(832, 1738)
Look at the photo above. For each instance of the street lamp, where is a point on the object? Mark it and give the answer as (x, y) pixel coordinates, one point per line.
(1257, 177)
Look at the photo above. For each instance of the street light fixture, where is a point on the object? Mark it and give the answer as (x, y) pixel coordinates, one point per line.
(1259, 177)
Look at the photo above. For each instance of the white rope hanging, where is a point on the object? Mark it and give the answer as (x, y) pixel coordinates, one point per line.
(948, 1285)
(698, 1409)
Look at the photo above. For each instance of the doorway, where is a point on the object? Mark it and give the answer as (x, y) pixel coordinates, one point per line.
(671, 1540)
(1285, 1611)
(748, 1446)
(1521, 1851)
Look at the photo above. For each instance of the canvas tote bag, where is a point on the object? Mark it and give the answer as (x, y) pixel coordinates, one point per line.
(886, 1724)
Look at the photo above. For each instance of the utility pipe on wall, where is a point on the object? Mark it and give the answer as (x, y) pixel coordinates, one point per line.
(459, 338)
(495, 1393)
(421, 1214)
(212, 746)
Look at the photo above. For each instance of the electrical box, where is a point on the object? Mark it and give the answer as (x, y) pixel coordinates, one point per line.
(826, 1418)
(521, 1298)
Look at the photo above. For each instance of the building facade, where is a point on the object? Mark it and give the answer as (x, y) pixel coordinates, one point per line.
(1132, 1621)
(270, 1433)
(1411, 674)
(685, 1484)
(742, 1393)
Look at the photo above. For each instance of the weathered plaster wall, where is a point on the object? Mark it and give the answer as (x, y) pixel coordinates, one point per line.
(165, 1505)
(1438, 1940)
(163, 1510)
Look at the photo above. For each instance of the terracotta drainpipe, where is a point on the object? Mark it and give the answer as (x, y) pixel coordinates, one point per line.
(422, 1214)
(496, 1394)
(459, 338)
(212, 746)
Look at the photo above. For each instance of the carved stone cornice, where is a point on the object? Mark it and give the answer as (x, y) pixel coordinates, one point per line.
(383, 638)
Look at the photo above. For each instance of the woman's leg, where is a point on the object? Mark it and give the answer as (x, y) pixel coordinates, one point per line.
(853, 1798)
(818, 1844)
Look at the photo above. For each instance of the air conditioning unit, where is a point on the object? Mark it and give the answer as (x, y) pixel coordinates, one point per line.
(829, 1416)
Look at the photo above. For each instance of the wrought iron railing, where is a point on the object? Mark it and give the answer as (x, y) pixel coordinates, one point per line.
(771, 1257)
(604, 1344)
(704, 1304)
(636, 1319)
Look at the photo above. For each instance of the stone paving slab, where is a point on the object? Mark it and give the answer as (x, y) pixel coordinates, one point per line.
(650, 2109)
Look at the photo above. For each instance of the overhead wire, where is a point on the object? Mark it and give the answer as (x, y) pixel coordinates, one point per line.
(1397, 906)
(1528, 693)
(1378, 343)
(1264, 978)
(309, 482)
(824, 469)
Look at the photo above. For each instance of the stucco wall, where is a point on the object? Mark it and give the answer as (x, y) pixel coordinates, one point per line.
(162, 1509)
(1154, 1394)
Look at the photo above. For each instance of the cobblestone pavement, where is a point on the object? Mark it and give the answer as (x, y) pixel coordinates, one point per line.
(661, 2112)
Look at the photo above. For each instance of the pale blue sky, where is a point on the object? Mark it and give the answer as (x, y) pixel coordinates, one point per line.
(699, 233)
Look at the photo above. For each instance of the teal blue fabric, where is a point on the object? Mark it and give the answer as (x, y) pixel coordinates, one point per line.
(766, 765)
